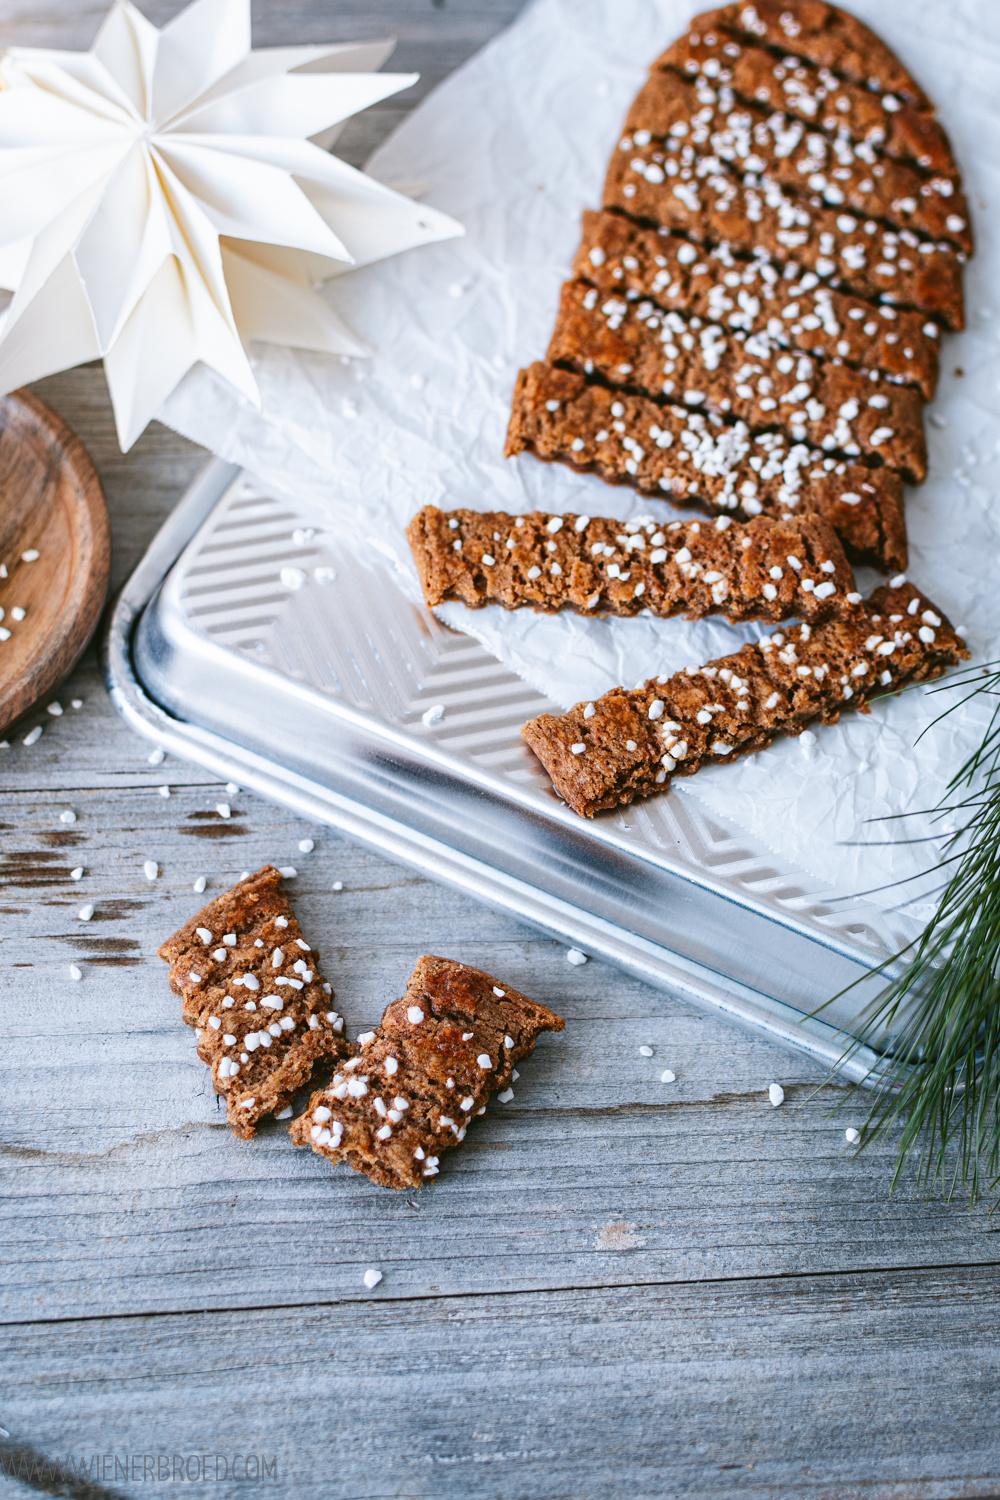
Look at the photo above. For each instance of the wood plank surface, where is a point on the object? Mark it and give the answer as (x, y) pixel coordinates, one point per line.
(617, 1285)
(832, 1387)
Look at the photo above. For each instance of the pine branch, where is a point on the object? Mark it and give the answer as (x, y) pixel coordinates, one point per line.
(942, 1081)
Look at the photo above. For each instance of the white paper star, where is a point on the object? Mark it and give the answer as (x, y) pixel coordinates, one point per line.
(167, 200)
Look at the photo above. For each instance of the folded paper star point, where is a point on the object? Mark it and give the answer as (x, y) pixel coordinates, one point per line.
(172, 198)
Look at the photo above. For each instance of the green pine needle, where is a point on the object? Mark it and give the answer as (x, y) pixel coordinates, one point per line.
(942, 1079)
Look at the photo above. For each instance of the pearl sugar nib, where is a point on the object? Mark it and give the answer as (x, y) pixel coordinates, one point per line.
(171, 200)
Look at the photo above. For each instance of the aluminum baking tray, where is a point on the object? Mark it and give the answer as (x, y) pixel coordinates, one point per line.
(328, 697)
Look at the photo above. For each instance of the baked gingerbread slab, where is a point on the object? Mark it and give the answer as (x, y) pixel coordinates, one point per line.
(250, 985)
(756, 308)
(761, 569)
(440, 1053)
(629, 744)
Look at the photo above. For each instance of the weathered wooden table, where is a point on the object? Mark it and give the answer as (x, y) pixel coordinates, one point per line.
(617, 1287)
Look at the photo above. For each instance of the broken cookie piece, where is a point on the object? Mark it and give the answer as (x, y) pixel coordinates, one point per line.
(250, 986)
(439, 1054)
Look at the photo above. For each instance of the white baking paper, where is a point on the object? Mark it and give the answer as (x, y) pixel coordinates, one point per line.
(515, 145)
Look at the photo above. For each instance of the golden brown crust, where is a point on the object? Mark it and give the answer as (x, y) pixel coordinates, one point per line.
(439, 1054)
(629, 744)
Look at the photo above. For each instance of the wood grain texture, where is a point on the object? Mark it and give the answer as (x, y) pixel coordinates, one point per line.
(616, 1286)
(835, 1387)
(55, 545)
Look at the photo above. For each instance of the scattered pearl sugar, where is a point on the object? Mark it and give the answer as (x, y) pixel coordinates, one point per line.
(232, 788)
(33, 736)
(75, 972)
(164, 791)
(156, 757)
(150, 869)
(31, 555)
(77, 873)
(67, 815)
(668, 1076)
(55, 709)
(199, 885)
(776, 1094)
(852, 1136)
(645, 1051)
(574, 956)
(371, 1278)
(223, 809)
(86, 912)
(432, 715)
(306, 846)
(506, 1096)
(338, 885)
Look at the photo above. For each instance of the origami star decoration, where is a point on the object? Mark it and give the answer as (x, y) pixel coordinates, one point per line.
(169, 198)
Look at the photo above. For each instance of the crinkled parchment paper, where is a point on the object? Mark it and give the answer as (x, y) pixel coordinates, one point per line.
(515, 145)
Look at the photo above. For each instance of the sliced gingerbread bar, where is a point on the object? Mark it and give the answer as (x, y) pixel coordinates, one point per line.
(698, 458)
(788, 304)
(250, 985)
(439, 1054)
(701, 364)
(760, 570)
(628, 744)
(890, 125)
(707, 119)
(704, 199)
(823, 35)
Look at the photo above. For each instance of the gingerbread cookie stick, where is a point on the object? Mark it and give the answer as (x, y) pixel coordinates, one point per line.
(629, 744)
(762, 569)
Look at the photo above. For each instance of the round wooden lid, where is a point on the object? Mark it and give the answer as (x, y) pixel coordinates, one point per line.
(55, 544)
